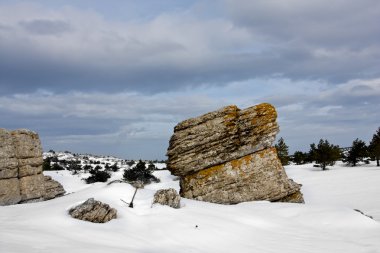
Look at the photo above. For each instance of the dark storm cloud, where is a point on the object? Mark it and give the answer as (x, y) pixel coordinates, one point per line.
(337, 23)
(90, 53)
(330, 40)
(316, 41)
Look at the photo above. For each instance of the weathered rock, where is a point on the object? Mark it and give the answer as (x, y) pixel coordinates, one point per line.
(9, 191)
(296, 197)
(168, 197)
(258, 176)
(93, 211)
(220, 136)
(32, 188)
(21, 178)
(8, 160)
(227, 157)
(8, 168)
(53, 188)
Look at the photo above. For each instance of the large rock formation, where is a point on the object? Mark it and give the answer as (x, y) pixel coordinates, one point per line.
(226, 156)
(21, 178)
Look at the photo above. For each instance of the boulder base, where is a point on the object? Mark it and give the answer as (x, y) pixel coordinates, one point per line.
(258, 176)
(9, 191)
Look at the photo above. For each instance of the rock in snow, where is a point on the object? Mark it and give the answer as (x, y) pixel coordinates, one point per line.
(53, 189)
(168, 197)
(93, 211)
(226, 157)
(21, 178)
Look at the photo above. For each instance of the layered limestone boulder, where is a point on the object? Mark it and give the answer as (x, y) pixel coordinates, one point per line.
(21, 178)
(93, 211)
(53, 189)
(226, 157)
(167, 197)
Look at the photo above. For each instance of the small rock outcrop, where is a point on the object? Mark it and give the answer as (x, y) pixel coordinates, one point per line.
(226, 157)
(93, 211)
(168, 197)
(21, 178)
(53, 189)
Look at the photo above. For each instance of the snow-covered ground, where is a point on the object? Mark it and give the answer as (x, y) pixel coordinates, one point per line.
(326, 223)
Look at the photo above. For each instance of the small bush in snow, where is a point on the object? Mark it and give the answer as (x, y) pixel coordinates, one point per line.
(130, 163)
(97, 175)
(115, 168)
(56, 166)
(87, 167)
(140, 173)
(46, 164)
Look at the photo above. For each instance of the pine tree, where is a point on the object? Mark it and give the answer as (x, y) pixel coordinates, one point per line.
(374, 146)
(299, 157)
(357, 153)
(282, 151)
(325, 154)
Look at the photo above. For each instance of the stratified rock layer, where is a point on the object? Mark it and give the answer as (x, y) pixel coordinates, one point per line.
(220, 136)
(227, 157)
(21, 178)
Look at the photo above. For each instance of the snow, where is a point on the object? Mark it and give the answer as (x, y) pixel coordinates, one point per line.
(326, 223)
(353, 187)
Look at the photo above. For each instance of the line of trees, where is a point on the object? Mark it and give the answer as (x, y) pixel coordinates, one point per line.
(326, 154)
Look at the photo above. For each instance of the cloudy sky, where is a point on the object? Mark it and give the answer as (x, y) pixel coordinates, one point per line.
(114, 77)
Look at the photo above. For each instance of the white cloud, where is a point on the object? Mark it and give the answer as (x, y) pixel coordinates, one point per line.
(70, 48)
(82, 46)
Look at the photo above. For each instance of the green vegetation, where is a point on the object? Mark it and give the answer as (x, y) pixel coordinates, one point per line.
(97, 175)
(357, 153)
(141, 173)
(282, 151)
(324, 153)
(374, 147)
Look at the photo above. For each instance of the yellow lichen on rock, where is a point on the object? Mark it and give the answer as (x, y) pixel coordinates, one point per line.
(252, 177)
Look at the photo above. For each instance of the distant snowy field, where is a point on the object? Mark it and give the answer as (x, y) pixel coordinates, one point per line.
(326, 223)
